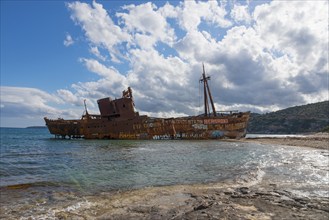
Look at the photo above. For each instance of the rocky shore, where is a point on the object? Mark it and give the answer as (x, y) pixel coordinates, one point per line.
(202, 202)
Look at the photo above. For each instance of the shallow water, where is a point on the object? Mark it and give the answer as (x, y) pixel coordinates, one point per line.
(37, 169)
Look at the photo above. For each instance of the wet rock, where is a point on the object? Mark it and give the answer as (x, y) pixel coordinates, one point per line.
(244, 190)
(193, 195)
(228, 193)
(301, 200)
(67, 216)
(139, 209)
(203, 205)
(263, 193)
(188, 202)
(200, 207)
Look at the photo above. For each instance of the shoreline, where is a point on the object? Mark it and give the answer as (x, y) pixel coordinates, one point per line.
(255, 197)
(198, 201)
(317, 140)
(226, 200)
(234, 200)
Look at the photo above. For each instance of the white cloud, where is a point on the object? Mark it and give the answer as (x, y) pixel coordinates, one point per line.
(191, 13)
(295, 28)
(196, 46)
(21, 104)
(28, 96)
(68, 40)
(297, 31)
(145, 20)
(240, 14)
(98, 26)
(168, 11)
(68, 96)
(263, 65)
(266, 58)
(145, 41)
(96, 52)
(102, 70)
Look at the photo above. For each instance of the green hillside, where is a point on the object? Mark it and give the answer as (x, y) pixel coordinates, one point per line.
(299, 119)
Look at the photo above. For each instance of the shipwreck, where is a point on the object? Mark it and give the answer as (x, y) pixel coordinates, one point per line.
(119, 120)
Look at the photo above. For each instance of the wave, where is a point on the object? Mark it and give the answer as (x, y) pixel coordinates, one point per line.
(251, 177)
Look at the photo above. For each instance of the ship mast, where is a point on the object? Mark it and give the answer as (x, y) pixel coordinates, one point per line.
(84, 101)
(207, 93)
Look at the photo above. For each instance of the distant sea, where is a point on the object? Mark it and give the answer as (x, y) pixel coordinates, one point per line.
(34, 166)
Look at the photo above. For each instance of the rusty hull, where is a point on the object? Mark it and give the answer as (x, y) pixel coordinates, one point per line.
(143, 127)
(118, 120)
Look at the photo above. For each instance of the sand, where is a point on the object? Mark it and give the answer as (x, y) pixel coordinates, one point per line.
(318, 140)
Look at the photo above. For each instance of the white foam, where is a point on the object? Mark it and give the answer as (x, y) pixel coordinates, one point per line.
(146, 149)
(51, 213)
(252, 178)
(80, 205)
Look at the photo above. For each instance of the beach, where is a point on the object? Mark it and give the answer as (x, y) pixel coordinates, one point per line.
(316, 140)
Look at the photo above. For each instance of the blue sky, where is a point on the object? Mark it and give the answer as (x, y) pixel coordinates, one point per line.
(32, 50)
(262, 55)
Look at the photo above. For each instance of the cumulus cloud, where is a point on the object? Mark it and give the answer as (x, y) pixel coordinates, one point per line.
(294, 32)
(67, 96)
(144, 20)
(272, 57)
(192, 13)
(98, 26)
(240, 14)
(261, 58)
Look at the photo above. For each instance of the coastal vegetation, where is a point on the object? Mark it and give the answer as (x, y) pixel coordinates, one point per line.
(299, 119)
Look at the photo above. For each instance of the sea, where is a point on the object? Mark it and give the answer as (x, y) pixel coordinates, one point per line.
(39, 174)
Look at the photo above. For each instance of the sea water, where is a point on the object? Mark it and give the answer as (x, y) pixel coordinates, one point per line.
(34, 166)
